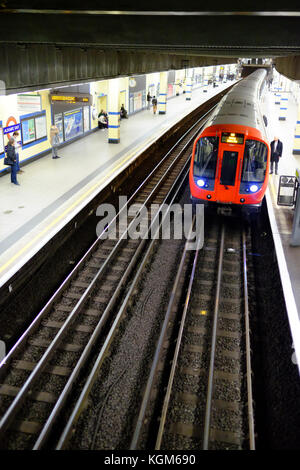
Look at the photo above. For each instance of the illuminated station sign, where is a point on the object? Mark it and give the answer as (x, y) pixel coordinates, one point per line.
(69, 99)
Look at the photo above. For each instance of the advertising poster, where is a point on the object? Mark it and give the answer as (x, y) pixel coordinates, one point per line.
(28, 104)
(170, 90)
(131, 102)
(86, 118)
(58, 121)
(73, 123)
(1, 141)
(40, 127)
(138, 101)
(28, 131)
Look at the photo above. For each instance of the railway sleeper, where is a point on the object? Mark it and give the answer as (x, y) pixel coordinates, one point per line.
(30, 366)
(12, 391)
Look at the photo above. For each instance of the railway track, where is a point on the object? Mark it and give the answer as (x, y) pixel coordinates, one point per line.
(207, 402)
(42, 370)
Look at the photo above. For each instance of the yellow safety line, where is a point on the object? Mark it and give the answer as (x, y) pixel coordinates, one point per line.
(39, 235)
(272, 186)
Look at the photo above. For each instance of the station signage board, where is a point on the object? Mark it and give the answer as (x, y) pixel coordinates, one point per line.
(286, 190)
(11, 129)
(70, 99)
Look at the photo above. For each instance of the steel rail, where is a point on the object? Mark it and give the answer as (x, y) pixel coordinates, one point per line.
(48, 354)
(213, 346)
(99, 361)
(248, 350)
(68, 387)
(176, 354)
(146, 397)
(14, 407)
(59, 292)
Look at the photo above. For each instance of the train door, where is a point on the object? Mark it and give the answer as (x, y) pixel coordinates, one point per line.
(227, 173)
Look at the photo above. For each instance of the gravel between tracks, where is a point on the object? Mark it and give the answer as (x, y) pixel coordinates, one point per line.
(114, 400)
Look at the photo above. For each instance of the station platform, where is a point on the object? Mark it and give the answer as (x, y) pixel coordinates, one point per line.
(52, 192)
(281, 218)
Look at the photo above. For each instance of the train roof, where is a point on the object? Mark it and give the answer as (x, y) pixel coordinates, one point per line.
(241, 104)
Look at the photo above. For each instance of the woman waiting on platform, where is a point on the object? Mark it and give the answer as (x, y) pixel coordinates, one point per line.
(12, 160)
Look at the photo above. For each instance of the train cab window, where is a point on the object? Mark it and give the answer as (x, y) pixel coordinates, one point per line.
(229, 163)
(206, 157)
(254, 162)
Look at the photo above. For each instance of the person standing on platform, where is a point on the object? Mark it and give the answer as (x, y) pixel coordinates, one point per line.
(12, 160)
(276, 153)
(17, 146)
(148, 100)
(270, 81)
(154, 104)
(123, 112)
(54, 139)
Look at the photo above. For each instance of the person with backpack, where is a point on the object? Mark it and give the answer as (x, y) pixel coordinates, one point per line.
(11, 160)
(154, 104)
(54, 139)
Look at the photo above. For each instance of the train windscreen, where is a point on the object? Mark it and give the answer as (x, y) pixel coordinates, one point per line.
(206, 155)
(229, 162)
(254, 161)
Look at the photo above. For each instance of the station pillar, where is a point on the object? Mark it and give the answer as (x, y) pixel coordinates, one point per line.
(189, 86)
(283, 107)
(113, 111)
(296, 146)
(163, 92)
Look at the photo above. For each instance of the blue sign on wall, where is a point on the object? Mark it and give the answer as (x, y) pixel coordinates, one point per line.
(10, 129)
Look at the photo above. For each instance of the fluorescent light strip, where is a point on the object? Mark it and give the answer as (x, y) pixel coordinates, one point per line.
(151, 13)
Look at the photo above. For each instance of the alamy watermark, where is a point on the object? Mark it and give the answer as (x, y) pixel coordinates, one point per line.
(158, 221)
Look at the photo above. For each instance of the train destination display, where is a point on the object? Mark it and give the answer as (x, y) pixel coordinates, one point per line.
(232, 138)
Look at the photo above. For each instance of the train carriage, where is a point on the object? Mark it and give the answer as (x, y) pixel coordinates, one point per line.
(231, 155)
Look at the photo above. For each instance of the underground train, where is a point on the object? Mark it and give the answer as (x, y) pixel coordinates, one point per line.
(231, 155)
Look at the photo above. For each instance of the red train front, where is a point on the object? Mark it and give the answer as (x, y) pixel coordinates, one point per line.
(230, 160)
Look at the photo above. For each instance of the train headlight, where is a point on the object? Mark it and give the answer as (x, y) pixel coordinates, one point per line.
(253, 188)
(200, 183)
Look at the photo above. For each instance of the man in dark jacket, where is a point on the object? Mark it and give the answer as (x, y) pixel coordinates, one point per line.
(12, 160)
(276, 152)
(154, 104)
(148, 100)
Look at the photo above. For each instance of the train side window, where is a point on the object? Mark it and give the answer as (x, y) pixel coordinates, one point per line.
(254, 161)
(206, 154)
